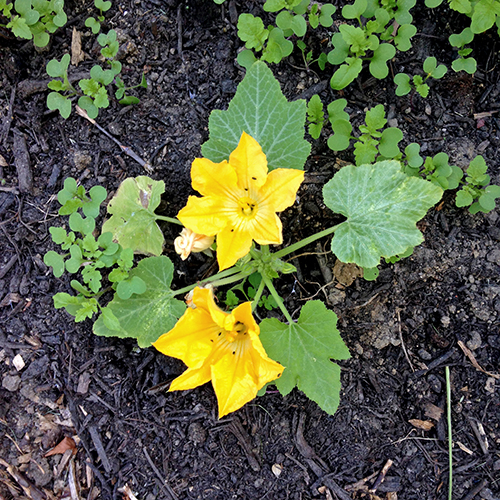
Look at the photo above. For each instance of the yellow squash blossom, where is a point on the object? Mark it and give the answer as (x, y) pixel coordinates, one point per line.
(222, 347)
(240, 200)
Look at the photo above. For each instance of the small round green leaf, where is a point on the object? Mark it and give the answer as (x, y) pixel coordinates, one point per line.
(55, 261)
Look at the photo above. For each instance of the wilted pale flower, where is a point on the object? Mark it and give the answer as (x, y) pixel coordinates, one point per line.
(189, 241)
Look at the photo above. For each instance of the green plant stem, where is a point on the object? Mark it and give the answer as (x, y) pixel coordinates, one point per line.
(169, 219)
(277, 298)
(450, 446)
(306, 241)
(215, 280)
(258, 294)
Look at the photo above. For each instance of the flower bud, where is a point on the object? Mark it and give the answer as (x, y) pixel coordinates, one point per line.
(189, 241)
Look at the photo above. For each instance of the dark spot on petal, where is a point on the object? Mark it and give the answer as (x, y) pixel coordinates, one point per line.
(246, 189)
(211, 340)
(220, 333)
(232, 230)
(279, 374)
(234, 352)
(254, 178)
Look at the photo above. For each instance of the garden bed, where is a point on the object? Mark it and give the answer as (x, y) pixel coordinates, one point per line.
(439, 307)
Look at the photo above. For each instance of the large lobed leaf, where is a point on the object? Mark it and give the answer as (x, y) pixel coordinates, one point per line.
(382, 206)
(260, 109)
(150, 314)
(305, 349)
(133, 221)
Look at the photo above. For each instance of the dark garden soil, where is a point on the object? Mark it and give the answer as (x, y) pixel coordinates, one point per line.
(422, 313)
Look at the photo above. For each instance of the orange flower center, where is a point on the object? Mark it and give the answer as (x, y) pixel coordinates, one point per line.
(237, 333)
(247, 206)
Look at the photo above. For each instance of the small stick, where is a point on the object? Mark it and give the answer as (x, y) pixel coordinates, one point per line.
(9, 117)
(450, 436)
(163, 482)
(381, 477)
(403, 343)
(472, 359)
(128, 151)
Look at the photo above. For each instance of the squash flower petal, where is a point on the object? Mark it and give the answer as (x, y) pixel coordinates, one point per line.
(222, 347)
(189, 241)
(239, 200)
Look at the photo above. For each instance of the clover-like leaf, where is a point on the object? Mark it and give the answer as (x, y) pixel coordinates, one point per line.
(325, 16)
(97, 195)
(126, 288)
(102, 5)
(150, 314)
(336, 110)
(80, 225)
(274, 5)
(389, 141)
(57, 69)
(55, 261)
(403, 37)
(246, 58)
(378, 63)
(133, 221)
(382, 206)
(340, 50)
(463, 38)
(93, 24)
(341, 135)
(260, 109)
(402, 15)
(277, 48)
(306, 349)
(402, 80)
(59, 102)
(355, 10)
(412, 152)
(469, 65)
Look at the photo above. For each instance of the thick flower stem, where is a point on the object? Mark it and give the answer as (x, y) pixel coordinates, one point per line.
(277, 298)
(226, 277)
(258, 294)
(302, 243)
(169, 219)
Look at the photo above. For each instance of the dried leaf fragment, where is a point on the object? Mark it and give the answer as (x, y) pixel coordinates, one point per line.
(433, 411)
(77, 55)
(424, 425)
(67, 443)
(277, 469)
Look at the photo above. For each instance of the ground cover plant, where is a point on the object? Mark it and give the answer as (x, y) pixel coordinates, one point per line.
(351, 264)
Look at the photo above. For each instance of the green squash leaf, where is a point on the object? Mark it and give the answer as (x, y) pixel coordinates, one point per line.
(133, 221)
(261, 110)
(382, 206)
(150, 314)
(305, 349)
